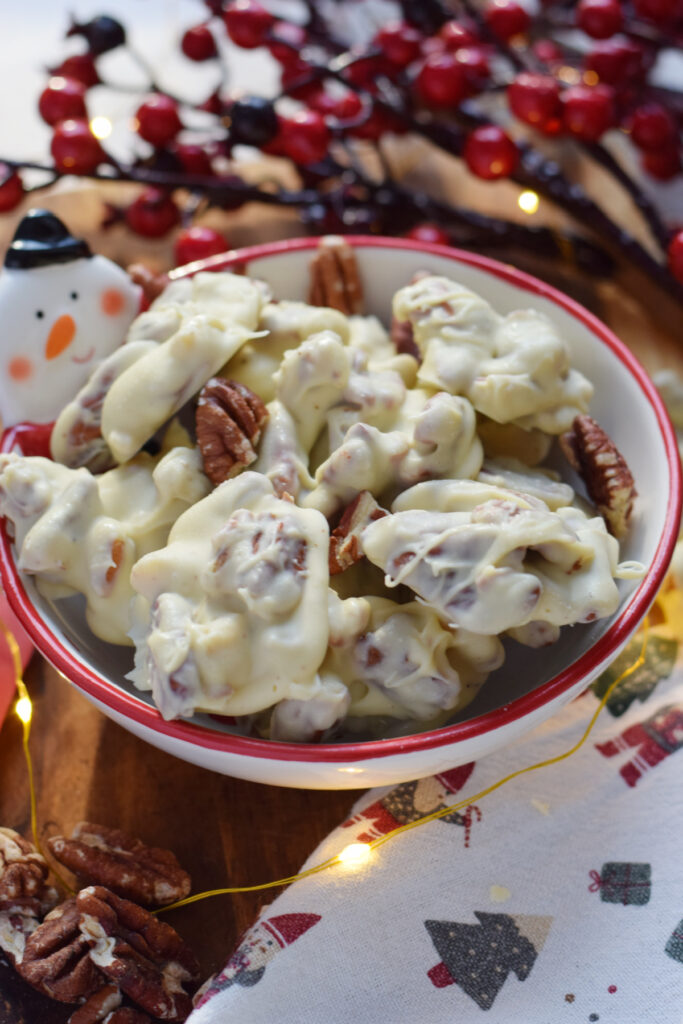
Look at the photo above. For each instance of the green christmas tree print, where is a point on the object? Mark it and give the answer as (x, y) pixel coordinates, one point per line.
(660, 658)
(479, 957)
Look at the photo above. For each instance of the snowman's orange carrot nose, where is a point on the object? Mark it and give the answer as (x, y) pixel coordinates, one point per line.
(60, 337)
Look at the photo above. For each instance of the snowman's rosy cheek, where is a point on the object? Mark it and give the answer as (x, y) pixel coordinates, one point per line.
(112, 301)
(20, 368)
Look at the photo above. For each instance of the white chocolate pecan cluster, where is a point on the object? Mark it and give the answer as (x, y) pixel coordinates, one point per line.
(359, 524)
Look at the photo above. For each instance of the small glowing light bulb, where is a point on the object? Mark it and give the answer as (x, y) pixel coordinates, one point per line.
(528, 201)
(24, 709)
(355, 854)
(101, 127)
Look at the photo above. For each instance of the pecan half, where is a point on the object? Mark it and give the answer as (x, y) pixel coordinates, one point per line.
(335, 279)
(401, 333)
(144, 956)
(345, 547)
(229, 420)
(23, 875)
(604, 471)
(57, 958)
(107, 856)
(101, 1005)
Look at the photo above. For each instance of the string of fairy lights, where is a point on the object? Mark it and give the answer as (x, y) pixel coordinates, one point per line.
(353, 856)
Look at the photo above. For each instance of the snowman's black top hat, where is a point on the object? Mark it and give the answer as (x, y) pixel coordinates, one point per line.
(41, 240)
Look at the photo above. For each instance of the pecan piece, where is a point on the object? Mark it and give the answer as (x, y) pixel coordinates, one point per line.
(604, 471)
(101, 1005)
(401, 333)
(144, 956)
(23, 875)
(152, 284)
(345, 547)
(229, 420)
(335, 279)
(57, 958)
(107, 856)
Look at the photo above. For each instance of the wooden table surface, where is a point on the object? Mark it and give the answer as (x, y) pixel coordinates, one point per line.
(224, 831)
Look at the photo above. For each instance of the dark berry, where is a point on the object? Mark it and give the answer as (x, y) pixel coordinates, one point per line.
(441, 81)
(588, 111)
(152, 214)
(102, 34)
(506, 18)
(599, 19)
(305, 137)
(399, 42)
(11, 189)
(490, 153)
(198, 243)
(158, 121)
(247, 23)
(61, 99)
(653, 127)
(534, 98)
(74, 148)
(253, 121)
(198, 43)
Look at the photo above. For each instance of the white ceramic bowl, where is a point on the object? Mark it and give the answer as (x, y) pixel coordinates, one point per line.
(532, 685)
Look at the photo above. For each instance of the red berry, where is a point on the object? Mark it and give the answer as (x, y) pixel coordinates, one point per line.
(197, 243)
(61, 99)
(377, 124)
(80, 66)
(441, 81)
(75, 150)
(547, 51)
(534, 98)
(399, 42)
(429, 233)
(157, 120)
(455, 35)
(198, 43)
(588, 111)
(364, 71)
(194, 158)
(11, 189)
(676, 256)
(653, 127)
(616, 62)
(286, 41)
(152, 214)
(476, 65)
(659, 11)
(490, 153)
(305, 137)
(506, 18)
(292, 73)
(599, 18)
(213, 104)
(344, 108)
(663, 164)
(247, 23)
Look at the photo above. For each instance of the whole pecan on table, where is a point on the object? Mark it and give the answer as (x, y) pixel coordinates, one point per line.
(345, 546)
(229, 420)
(57, 959)
(144, 956)
(604, 470)
(110, 857)
(23, 877)
(335, 278)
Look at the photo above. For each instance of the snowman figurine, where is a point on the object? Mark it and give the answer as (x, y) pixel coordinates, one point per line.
(62, 310)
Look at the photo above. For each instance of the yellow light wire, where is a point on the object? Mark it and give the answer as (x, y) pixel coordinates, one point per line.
(24, 711)
(338, 858)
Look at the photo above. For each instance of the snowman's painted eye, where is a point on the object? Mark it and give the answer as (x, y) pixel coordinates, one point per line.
(74, 295)
(39, 314)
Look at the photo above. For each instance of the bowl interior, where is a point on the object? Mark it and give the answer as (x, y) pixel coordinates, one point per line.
(622, 404)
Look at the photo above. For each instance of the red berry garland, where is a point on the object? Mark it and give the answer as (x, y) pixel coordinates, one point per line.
(490, 153)
(442, 81)
(247, 23)
(198, 43)
(158, 121)
(61, 99)
(599, 18)
(305, 137)
(11, 189)
(588, 111)
(75, 149)
(676, 255)
(507, 18)
(198, 243)
(152, 214)
(535, 98)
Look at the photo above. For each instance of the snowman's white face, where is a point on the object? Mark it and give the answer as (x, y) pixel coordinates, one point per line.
(56, 322)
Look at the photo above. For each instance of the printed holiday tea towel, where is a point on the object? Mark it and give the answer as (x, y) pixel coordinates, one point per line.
(557, 898)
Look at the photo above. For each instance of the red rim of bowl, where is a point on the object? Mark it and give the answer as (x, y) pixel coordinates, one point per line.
(133, 708)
